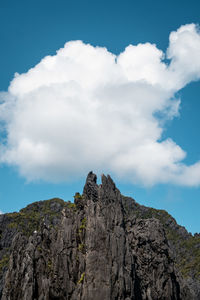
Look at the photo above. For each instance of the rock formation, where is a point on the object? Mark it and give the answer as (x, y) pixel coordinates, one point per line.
(103, 246)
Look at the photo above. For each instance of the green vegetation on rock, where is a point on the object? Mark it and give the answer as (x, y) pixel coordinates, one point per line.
(29, 219)
(81, 247)
(82, 278)
(83, 225)
(4, 262)
(71, 205)
(78, 196)
(185, 246)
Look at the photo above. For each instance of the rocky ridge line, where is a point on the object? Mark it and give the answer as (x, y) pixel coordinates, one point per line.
(104, 246)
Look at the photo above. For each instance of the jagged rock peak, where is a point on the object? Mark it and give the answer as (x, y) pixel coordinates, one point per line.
(104, 246)
(92, 189)
(108, 182)
(91, 178)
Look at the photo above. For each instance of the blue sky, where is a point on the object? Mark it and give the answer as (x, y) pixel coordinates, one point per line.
(31, 30)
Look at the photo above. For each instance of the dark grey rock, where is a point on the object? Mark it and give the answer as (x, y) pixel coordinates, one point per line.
(102, 247)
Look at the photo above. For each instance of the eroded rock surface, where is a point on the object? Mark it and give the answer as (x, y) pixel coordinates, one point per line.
(98, 248)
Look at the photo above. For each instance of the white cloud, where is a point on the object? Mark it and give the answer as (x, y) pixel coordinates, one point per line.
(1, 212)
(86, 108)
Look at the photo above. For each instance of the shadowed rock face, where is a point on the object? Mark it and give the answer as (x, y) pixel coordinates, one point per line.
(95, 249)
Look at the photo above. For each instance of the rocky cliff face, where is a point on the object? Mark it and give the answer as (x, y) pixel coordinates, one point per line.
(103, 246)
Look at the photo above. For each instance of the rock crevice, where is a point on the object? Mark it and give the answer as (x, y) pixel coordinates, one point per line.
(97, 248)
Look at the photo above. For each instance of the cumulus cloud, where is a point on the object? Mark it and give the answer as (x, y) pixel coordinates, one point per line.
(86, 108)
